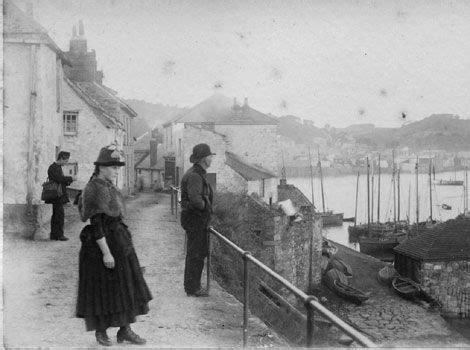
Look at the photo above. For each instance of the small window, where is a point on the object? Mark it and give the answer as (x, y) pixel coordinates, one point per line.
(70, 169)
(70, 123)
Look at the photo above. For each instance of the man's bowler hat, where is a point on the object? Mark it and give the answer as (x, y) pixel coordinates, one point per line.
(110, 156)
(200, 151)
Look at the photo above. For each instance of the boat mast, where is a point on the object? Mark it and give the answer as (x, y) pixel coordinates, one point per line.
(372, 196)
(394, 191)
(357, 191)
(430, 190)
(409, 203)
(417, 194)
(398, 190)
(466, 190)
(378, 195)
(368, 197)
(311, 179)
(321, 182)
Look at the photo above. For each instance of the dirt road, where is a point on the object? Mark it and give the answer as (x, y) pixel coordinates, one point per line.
(40, 284)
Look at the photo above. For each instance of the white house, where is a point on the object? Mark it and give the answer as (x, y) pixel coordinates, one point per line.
(32, 119)
(237, 134)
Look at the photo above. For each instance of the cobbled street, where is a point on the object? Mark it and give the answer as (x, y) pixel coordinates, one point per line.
(40, 285)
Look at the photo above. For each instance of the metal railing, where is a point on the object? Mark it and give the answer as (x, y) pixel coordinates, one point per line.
(310, 302)
(174, 200)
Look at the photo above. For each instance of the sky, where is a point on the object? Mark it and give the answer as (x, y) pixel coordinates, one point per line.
(333, 62)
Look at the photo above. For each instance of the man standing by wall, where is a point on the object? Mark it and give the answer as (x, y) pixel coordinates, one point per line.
(196, 203)
(56, 174)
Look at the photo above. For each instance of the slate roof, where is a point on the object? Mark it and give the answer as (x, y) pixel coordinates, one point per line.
(249, 172)
(105, 97)
(101, 114)
(17, 22)
(446, 242)
(219, 110)
(294, 194)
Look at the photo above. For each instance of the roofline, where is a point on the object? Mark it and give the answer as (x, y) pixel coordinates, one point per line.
(93, 104)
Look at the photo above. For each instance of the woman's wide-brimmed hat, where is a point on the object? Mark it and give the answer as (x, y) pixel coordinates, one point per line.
(200, 151)
(110, 156)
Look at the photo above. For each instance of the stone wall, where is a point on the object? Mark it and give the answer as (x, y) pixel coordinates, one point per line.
(280, 244)
(449, 283)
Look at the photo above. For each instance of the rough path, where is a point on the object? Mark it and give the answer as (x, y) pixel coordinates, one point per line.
(386, 318)
(40, 283)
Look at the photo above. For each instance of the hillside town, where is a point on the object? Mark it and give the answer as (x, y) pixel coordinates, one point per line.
(399, 280)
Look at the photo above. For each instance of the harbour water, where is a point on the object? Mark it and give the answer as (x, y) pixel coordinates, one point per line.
(340, 196)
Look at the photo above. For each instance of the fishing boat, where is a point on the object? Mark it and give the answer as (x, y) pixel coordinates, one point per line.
(405, 287)
(338, 283)
(381, 245)
(446, 206)
(371, 228)
(340, 265)
(350, 219)
(449, 182)
(386, 275)
(328, 217)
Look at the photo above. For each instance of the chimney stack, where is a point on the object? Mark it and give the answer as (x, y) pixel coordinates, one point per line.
(246, 102)
(153, 152)
(235, 102)
(74, 31)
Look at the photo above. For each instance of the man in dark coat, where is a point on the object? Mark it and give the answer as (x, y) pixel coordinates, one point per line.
(196, 203)
(56, 174)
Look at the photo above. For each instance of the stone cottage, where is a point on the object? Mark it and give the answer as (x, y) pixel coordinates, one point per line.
(439, 259)
(149, 163)
(93, 116)
(242, 138)
(32, 127)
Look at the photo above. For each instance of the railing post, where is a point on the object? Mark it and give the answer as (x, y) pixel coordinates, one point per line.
(246, 297)
(176, 205)
(172, 200)
(208, 284)
(310, 322)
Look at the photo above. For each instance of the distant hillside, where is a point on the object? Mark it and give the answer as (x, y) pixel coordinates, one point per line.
(289, 126)
(154, 114)
(438, 131)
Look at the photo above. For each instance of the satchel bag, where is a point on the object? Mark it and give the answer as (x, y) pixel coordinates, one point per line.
(51, 191)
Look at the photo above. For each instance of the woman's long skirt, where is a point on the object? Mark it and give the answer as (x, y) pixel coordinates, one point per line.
(110, 297)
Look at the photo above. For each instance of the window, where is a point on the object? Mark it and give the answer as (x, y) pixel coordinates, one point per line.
(70, 123)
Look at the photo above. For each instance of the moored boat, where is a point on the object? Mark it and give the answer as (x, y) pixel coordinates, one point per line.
(331, 219)
(371, 245)
(405, 287)
(338, 283)
(336, 263)
(449, 183)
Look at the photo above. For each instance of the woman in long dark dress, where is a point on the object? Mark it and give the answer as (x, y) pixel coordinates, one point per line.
(111, 290)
